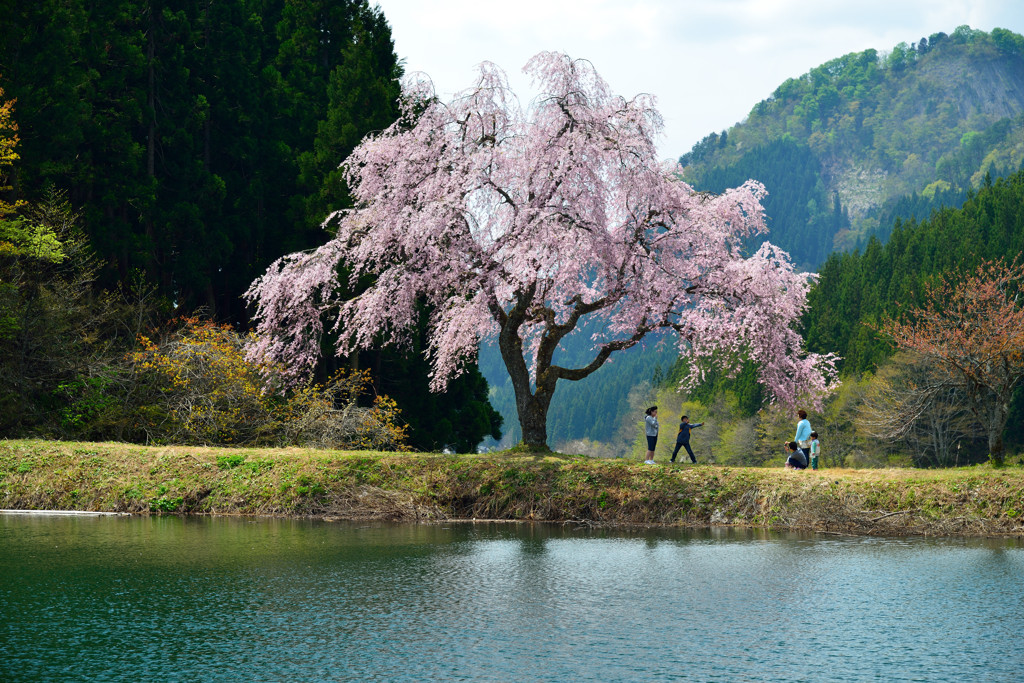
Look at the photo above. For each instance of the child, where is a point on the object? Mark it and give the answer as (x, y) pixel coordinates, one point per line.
(815, 450)
(683, 438)
(795, 461)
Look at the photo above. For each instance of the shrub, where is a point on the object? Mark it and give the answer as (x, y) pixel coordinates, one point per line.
(328, 416)
(195, 385)
(208, 391)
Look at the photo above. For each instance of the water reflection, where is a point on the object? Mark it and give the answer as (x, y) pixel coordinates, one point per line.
(233, 599)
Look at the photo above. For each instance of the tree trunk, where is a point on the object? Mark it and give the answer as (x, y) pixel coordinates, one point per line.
(997, 417)
(992, 412)
(533, 420)
(995, 450)
(531, 407)
(995, 442)
(154, 258)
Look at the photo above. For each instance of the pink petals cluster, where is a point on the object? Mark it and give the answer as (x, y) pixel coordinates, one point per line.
(484, 208)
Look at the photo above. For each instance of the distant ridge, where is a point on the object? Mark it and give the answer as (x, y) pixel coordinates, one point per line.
(838, 147)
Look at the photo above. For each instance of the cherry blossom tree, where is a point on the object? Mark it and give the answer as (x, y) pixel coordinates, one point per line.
(514, 224)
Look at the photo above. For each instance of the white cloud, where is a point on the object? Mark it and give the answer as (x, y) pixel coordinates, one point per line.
(707, 61)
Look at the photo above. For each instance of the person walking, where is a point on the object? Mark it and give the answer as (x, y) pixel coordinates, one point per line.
(683, 438)
(651, 430)
(803, 436)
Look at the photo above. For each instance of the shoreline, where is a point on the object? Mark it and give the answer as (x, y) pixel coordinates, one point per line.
(116, 478)
(64, 513)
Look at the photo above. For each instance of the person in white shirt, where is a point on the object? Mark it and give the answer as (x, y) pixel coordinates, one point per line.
(651, 430)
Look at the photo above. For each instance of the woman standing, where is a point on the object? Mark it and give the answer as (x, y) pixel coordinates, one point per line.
(651, 429)
(803, 435)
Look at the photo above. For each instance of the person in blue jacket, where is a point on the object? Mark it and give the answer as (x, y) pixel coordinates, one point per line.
(803, 435)
(683, 438)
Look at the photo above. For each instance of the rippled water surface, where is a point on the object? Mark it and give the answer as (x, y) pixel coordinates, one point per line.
(166, 599)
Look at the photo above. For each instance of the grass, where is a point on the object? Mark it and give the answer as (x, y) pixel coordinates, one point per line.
(512, 485)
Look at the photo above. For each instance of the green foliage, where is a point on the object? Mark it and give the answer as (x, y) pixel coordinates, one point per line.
(166, 505)
(227, 462)
(90, 405)
(21, 239)
(54, 330)
(860, 287)
(456, 420)
(913, 208)
(741, 389)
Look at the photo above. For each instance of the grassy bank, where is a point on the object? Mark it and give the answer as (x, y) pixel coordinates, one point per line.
(417, 487)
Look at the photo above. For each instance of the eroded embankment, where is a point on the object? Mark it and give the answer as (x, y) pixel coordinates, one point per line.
(415, 487)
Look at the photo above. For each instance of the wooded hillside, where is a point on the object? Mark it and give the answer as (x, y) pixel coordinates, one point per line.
(839, 145)
(857, 289)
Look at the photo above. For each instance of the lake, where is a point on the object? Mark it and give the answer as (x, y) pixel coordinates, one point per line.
(225, 599)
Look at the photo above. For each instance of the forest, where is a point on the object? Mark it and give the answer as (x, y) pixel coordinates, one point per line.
(198, 140)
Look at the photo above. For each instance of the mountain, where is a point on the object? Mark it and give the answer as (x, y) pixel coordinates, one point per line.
(838, 147)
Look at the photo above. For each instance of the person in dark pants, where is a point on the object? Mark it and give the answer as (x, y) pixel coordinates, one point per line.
(796, 460)
(815, 450)
(651, 430)
(683, 438)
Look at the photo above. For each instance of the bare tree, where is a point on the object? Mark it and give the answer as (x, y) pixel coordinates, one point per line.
(972, 329)
(914, 403)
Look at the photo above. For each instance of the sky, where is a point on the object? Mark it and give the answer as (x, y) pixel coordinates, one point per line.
(708, 62)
